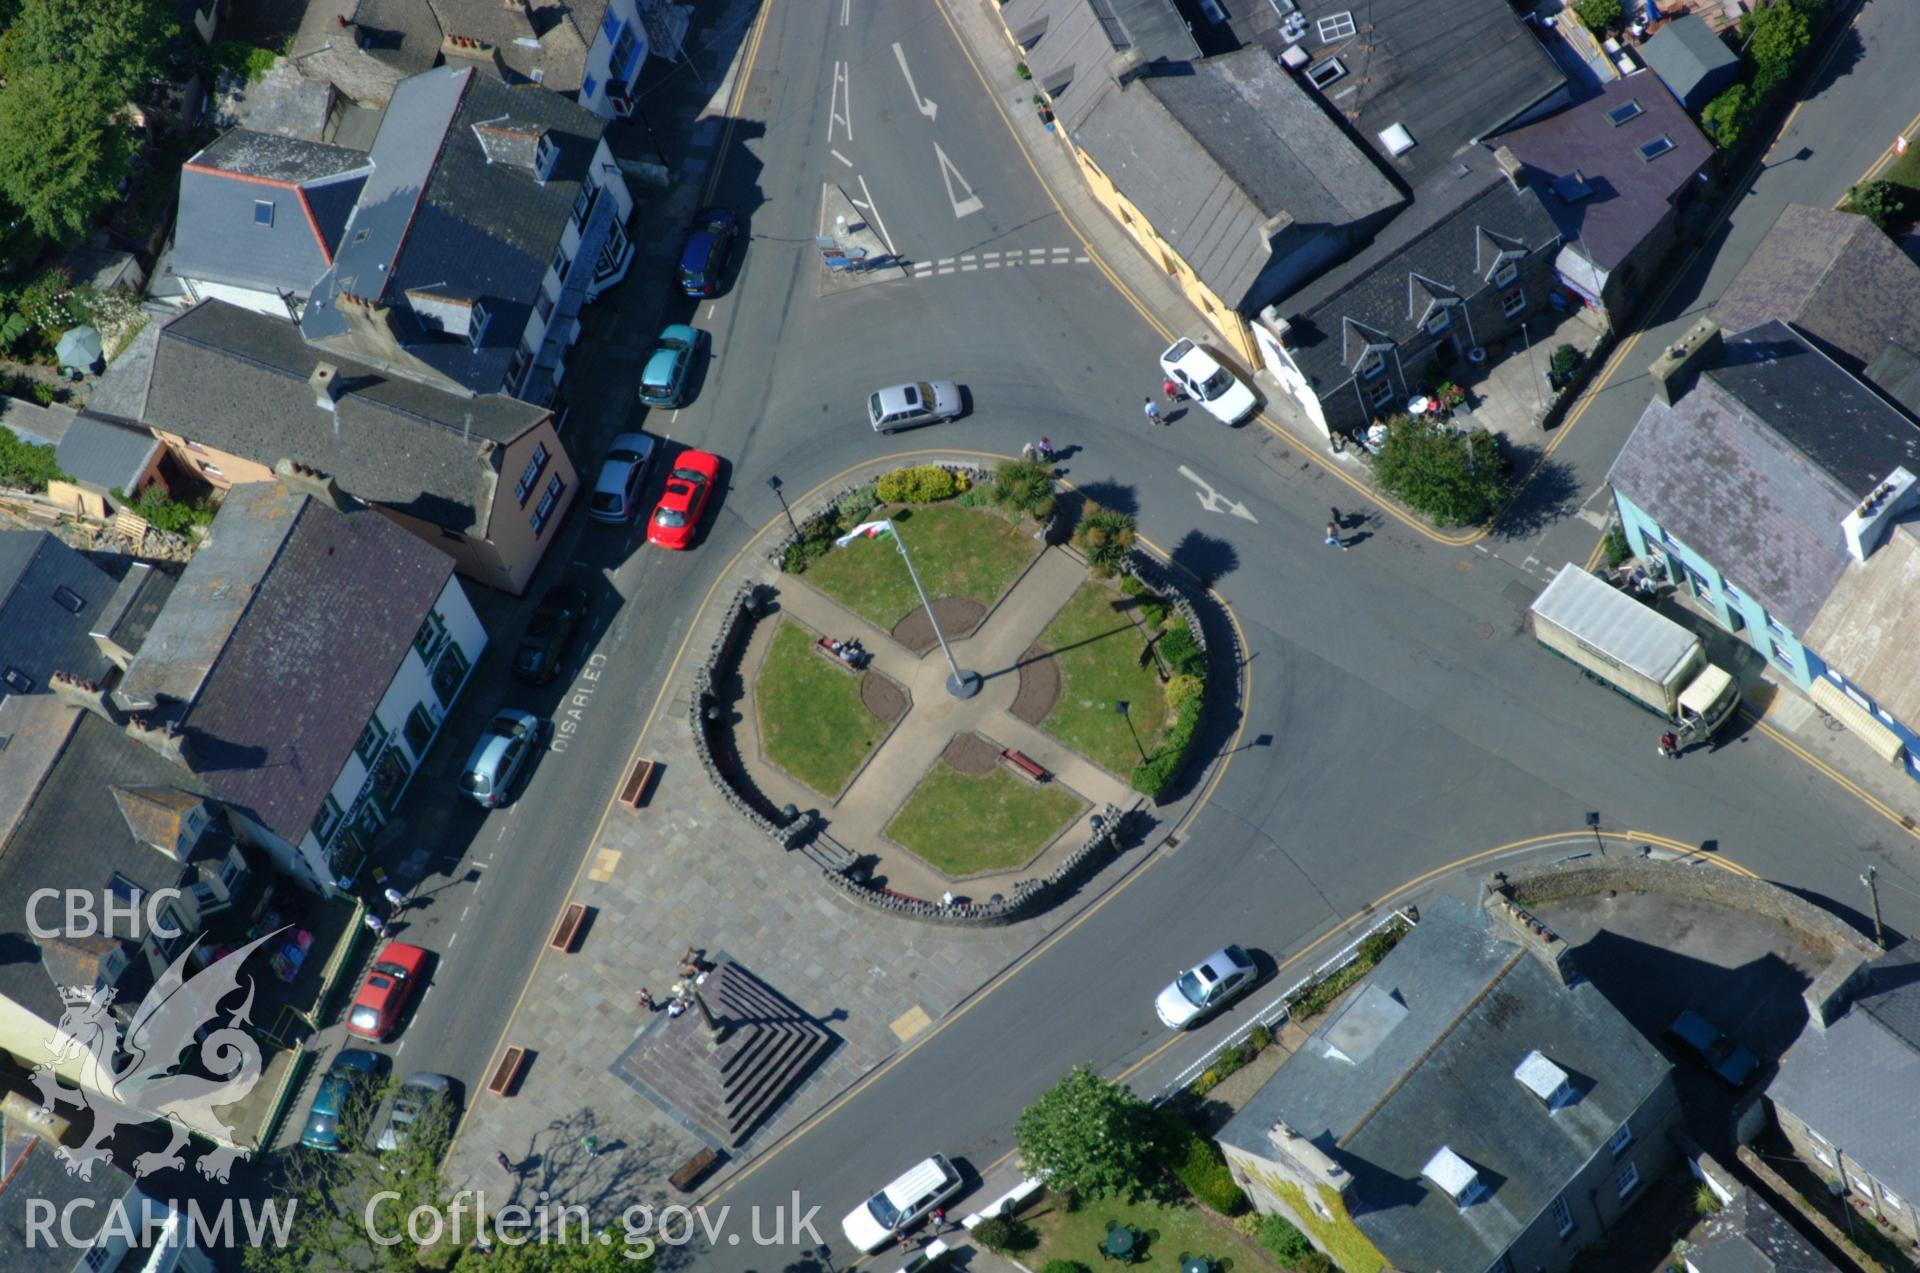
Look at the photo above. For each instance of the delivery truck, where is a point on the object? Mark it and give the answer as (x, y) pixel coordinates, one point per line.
(1633, 648)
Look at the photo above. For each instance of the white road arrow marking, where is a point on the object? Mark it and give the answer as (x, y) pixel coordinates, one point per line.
(1213, 501)
(927, 107)
(961, 207)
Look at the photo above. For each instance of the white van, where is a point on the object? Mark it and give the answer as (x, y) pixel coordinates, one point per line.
(902, 1204)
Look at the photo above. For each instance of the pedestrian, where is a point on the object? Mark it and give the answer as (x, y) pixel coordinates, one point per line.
(1670, 745)
(591, 1144)
(1046, 450)
(395, 898)
(645, 998)
(939, 1219)
(376, 925)
(1153, 412)
(1333, 536)
(1172, 392)
(506, 1163)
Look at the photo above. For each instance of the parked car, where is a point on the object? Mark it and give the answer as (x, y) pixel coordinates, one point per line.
(902, 1204)
(499, 756)
(623, 475)
(1205, 988)
(384, 994)
(663, 382)
(684, 500)
(556, 621)
(921, 402)
(351, 1077)
(709, 245)
(1215, 388)
(1731, 1062)
(420, 1095)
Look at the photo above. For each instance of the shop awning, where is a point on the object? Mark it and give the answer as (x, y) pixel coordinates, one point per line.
(1833, 700)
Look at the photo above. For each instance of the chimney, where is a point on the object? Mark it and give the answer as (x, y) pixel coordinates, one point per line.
(1511, 168)
(1827, 997)
(1534, 936)
(165, 739)
(303, 480)
(1307, 1158)
(75, 692)
(1670, 370)
(325, 383)
(1866, 523)
(1279, 326)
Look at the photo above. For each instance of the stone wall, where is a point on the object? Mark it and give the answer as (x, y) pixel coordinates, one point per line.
(733, 782)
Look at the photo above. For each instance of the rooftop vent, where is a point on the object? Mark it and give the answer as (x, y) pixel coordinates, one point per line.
(1295, 57)
(1396, 139)
(1573, 187)
(1455, 1177)
(1545, 1080)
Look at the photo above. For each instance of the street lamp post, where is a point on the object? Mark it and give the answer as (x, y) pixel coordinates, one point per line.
(961, 684)
(773, 484)
(1533, 372)
(1126, 714)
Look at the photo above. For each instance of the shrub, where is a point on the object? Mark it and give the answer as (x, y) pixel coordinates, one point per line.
(249, 62)
(1005, 1234)
(1314, 1262)
(1564, 362)
(1196, 1162)
(25, 466)
(44, 393)
(1182, 653)
(921, 484)
(50, 303)
(1157, 772)
(1025, 486)
(1705, 1200)
(176, 517)
(1227, 1062)
(1131, 586)
(1247, 1224)
(1260, 1038)
(1725, 117)
(856, 504)
(1878, 201)
(1183, 688)
(1106, 537)
(1777, 36)
(1617, 548)
(1022, 70)
(1287, 1243)
(1597, 15)
(974, 497)
(816, 540)
(1155, 612)
(1064, 1266)
(1455, 478)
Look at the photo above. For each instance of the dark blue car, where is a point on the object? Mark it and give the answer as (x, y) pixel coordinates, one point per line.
(704, 260)
(354, 1072)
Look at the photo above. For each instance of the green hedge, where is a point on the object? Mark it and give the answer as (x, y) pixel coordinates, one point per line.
(1196, 1162)
(1157, 773)
(25, 465)
(1182, 653)
(1287, 1243)
(921, 484)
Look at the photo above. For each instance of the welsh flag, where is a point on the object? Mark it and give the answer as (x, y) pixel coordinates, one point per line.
(865, 530)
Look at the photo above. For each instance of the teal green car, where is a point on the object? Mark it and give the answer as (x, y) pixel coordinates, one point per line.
(664, 382)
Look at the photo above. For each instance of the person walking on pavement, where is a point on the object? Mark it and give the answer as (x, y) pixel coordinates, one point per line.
(1045, 450)
(376, 925)
(1173, 393)
(1670, 745)
(1333, 536)
(1153, 413)
(395, 899)
(592, 1145)
(506, 1163)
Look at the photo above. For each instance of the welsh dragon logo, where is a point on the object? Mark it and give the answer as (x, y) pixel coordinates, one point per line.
(137, 1080)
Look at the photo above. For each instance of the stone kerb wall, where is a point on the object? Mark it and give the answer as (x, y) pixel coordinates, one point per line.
(1029, 897)
(720, 656)
(1533, 885)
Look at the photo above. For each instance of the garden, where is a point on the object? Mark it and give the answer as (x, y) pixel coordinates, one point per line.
(814, 721)
(983, 817)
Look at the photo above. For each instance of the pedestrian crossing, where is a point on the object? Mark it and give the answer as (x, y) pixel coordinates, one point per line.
(1014, 259)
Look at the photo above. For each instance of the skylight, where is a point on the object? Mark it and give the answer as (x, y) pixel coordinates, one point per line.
(1336, 26)
(1624, 112)
(1652, 150)
(1327, 72)
(1396, 139)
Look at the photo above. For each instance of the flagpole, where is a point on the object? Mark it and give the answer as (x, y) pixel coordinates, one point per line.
(961, 684)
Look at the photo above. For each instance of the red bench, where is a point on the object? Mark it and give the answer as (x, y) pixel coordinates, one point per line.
(1025, 764)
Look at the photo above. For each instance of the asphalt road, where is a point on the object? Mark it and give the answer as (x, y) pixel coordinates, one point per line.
(1400, 718)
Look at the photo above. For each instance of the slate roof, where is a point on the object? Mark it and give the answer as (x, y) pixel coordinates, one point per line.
(548, 41)
(50, 596)
(435, 214)
(35, 1175)
(401, 33)
(1467, 1008)
(1895, 372)
(136, 603)
(1685, 53)
(282, 635)
(35, 424)
(1832, 275)
(36, 728)
(1757, 464)
(427, 452)
(312, 187)
(1628, 195)
(1072, 45)
(1748, 1236)
(1211, 152)
(1450, 74)
(121, 391)
(1854, 1082)
(107, 454)
(73, 836)
(1385, 290)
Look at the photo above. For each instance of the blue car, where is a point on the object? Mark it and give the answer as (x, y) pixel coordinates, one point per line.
(663, 382)
(353, 1073)
(710, 244)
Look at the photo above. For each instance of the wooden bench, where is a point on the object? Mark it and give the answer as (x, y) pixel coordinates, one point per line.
(692, 1169)
(824, 648)
(1025, 764)
(507, 1074)
(633, 792)
(567, 931)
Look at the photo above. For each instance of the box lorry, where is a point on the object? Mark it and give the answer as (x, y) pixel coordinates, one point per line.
(1634, 649)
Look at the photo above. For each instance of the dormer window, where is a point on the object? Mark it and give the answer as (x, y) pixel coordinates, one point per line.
(1438, 321)
(477, 320)
(1545, 1080)
(1506, 274)
(1373, 368)
(1455, 1177)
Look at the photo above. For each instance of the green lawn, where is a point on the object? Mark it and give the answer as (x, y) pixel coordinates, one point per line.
(965, 823)
(1171, 1231)
(1905, 170)
(959, 552)
(812, 722)
(1098, 649)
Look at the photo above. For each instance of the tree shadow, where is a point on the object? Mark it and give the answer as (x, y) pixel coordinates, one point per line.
(1207, 559)
(1111, 493)
(1549, 494)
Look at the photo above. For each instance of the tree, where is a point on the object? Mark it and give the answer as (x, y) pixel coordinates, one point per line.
(1454, 478)
(1597, 15)
(1088, 1136)
(1106, 537)
(109, 48)
(607, 1252)
(1727, 116)
(61, 153)
(1777, 37)
(1880, 202)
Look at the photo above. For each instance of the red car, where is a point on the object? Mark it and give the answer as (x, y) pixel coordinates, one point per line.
(383, 995)
(689, 487)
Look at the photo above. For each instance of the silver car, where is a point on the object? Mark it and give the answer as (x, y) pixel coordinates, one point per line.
(623, 476)
(499, 757)
(1205, 988)
(417, 1098)
(921, 402)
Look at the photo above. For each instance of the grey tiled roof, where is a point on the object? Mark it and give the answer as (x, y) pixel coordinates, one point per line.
(1685, 52)
(1072, 45)
(236, 380)
(284, 632)
(106, 453)
(36, 728)
(401, 33)
(436, 213)
(1629, 194)
(1854, 1082)
(1474, 1006)
(562, 34)
(311, 186)
(1748, 1236)
(1212, 151)
(243, 152)
(1895, 372)
(39, 1178)
(41, 633)
(1450, 74)
(122, 388)
(35, 424)
(1834, 276)
(1383, 295)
